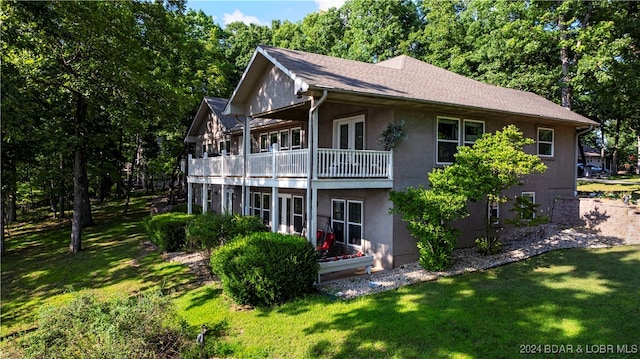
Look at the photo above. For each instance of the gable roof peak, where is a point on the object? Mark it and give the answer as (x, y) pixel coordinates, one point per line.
(397, 62)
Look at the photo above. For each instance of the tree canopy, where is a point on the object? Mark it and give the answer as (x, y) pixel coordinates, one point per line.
(92, 88)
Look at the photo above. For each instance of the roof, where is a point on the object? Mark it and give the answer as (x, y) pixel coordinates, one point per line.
(403, 78)
(216, 106)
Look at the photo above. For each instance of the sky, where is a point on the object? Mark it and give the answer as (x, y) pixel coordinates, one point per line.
(260, 12)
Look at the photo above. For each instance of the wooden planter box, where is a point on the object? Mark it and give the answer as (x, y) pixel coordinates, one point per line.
(345, 264)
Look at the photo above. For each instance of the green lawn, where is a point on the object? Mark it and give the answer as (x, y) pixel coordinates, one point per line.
(571, 297)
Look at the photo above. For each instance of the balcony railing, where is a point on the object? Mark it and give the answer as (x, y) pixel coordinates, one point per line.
(331, 163)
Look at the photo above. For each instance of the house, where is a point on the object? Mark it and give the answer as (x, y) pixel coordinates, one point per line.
(307, 155)
(593, 156)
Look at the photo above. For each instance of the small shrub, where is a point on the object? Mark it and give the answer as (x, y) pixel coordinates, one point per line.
(167, 230)
(211, 230)
(124, 327)
(429, 215)
(488, 246)
(526, 213)
(265, 269)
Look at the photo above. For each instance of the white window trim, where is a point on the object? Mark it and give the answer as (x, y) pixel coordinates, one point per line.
(345, 222)
(461, 134)
(351, 121)
(438, 140)
(291, 145)
(282, 146)
(464, 132)
(552, 143)
(492, 206)
(294, 214)
(264, 149)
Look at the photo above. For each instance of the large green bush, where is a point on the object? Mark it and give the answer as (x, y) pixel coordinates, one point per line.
(265, 269)
(168, 230)
(211, 230)
(429, 215)
(125, 327)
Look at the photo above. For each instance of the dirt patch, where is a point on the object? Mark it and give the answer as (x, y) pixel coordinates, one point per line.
(198, 263)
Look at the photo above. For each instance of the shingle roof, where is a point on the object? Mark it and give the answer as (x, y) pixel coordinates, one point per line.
(404, 77)
(217, 105)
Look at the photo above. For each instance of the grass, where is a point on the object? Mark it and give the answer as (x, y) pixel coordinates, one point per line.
(614, 189)
(569, 297)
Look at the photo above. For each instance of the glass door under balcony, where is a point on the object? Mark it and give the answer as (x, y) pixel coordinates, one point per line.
(284, 211)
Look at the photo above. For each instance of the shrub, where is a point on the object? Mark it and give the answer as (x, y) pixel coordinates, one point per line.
(211, 230)
(264, 269)
(124, 327)
(429, 215)
(167, 230)
(488, 245)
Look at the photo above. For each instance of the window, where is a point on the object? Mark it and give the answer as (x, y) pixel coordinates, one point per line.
(264, 142)
(224, 145)
(257, 204)
(448, 139)
(346, 221)
(472, 131)
(545, 142)
(529, 214)
(494, 213)
(298, 214)
(284, 139)
(228, 205)
(273, 139)
(266, 209)
(296, 138)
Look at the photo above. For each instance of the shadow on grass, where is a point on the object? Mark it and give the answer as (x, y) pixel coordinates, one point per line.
(585, 298)
(37, 268)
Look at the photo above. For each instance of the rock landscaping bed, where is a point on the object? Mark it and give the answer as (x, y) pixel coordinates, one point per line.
(519, 244)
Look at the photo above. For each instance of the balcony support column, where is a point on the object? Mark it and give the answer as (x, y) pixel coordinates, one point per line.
(275, 215)
(204, 198)
(312, 172)
(189, 197)
(246, 145)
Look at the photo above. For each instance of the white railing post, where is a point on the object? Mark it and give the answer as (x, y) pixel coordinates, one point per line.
(189, 196)
(274, 150)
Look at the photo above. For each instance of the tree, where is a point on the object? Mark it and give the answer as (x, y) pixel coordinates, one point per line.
(377, 30)
(482, 172)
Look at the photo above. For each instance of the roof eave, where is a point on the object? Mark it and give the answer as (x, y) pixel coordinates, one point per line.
(314, 89)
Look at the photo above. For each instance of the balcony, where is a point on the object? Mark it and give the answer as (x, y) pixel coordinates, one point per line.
(332, 164)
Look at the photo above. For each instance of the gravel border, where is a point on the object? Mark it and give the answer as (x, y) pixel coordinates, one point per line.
(518, 244)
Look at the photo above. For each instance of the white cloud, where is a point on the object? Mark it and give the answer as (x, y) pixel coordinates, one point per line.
(239, 16)
(327, 4)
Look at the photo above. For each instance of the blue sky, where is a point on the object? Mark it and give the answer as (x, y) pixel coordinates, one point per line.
(260, 12)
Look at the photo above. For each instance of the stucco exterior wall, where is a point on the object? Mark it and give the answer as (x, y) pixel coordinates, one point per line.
(275, 90)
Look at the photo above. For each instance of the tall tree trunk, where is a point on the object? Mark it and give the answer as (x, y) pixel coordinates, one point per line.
(78, 206)
(1, 227)
(638, 156)
(53, 201)
(616, 146)
(87, 216)
(79, 176)
(130, 175)
(565, 63)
